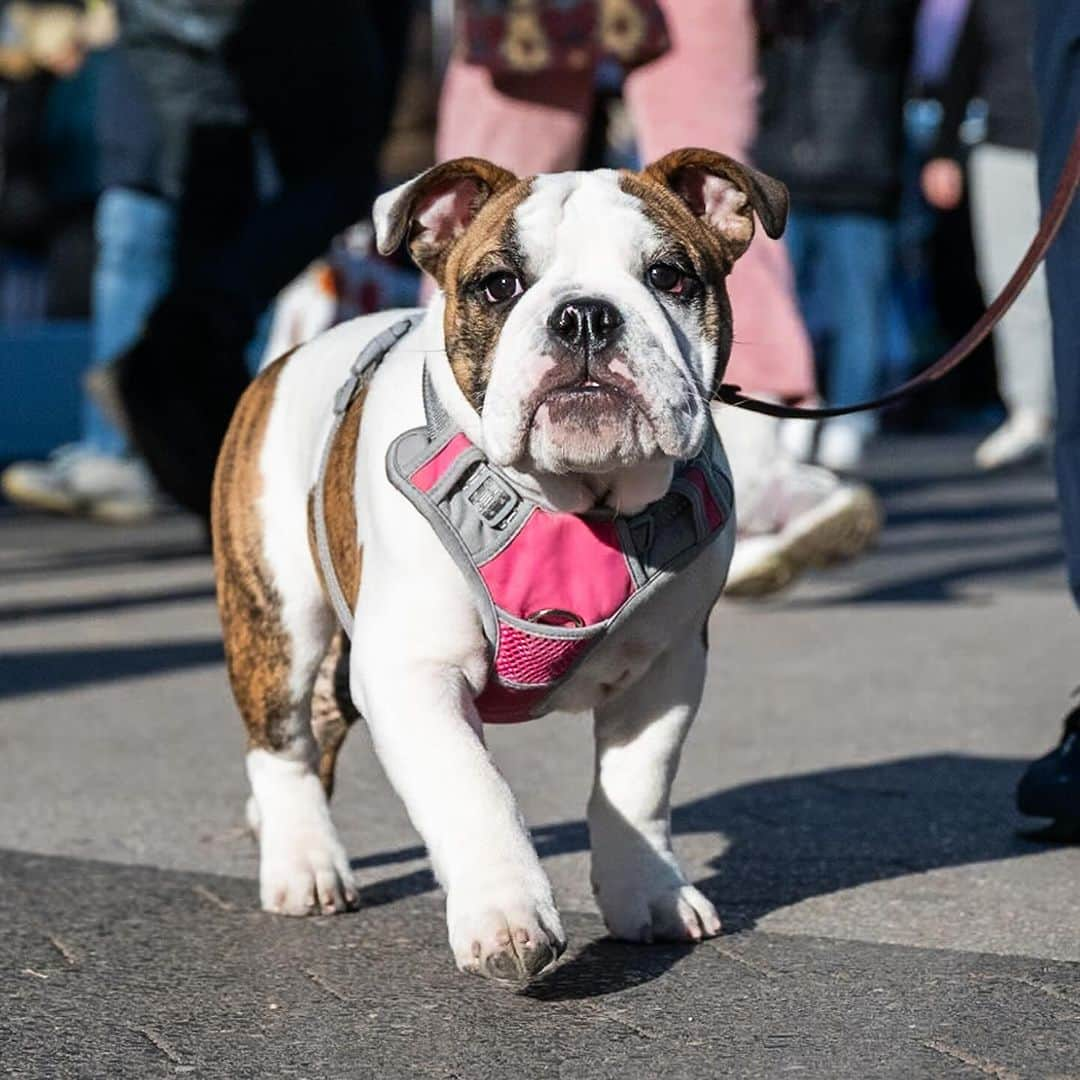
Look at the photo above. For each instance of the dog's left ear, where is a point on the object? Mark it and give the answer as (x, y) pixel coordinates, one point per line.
(724, 193)
(434, 209)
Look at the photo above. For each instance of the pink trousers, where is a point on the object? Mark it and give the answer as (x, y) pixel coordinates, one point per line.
(703, 92)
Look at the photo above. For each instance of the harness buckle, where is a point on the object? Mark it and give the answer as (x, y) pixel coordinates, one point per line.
(491, 496)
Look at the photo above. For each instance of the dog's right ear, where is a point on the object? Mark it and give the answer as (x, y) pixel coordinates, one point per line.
(435, 208)
(723, 193)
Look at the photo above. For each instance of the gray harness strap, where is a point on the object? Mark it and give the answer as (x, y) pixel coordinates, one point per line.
(359, 375)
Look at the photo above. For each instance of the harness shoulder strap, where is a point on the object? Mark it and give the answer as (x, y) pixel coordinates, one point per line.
(360, 374)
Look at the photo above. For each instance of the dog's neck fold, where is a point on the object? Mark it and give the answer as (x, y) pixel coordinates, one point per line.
(624, 491)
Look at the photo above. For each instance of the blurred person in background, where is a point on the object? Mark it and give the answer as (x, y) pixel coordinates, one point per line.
(831, 127)
(992, 63)
(1050, 787)
(24, 197)
(48, 175)
(270, 119)
(353, 278)
(519, 91)
(134, 225)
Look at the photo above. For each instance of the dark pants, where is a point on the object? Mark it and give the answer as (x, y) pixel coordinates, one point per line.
(320, 90)
(1057, 74)
(317, 92)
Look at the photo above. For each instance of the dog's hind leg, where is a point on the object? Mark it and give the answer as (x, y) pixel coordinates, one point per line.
(332, 708)
(277, 629)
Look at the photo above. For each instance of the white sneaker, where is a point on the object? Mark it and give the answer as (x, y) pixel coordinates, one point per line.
(1024, 435)
(75, 480)
(841, 445)
(803, 517)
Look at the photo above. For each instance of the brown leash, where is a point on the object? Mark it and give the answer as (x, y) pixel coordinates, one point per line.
(1048, 229)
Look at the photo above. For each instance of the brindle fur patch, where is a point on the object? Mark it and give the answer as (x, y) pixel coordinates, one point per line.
(340, 481)
(332, 708)
(257, 650)
(472, 325)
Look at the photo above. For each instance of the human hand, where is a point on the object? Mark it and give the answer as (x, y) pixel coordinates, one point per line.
(942, 183)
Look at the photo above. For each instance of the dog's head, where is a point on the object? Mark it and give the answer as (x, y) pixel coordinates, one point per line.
(586, 314)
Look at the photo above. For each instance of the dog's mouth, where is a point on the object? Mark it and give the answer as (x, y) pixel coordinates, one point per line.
(585, 401)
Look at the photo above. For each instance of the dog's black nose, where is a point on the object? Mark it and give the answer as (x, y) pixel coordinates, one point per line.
(585, 324)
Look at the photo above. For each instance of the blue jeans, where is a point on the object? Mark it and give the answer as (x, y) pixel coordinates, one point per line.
(135, 246)
(1057, 78)
(842, 264)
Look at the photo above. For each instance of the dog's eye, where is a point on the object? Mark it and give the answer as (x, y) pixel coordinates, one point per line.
(670, 279)
(500, 286)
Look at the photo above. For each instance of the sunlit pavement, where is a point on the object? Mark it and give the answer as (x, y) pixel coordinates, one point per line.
(845, 799)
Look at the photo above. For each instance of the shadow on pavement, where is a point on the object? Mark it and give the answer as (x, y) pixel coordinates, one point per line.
(946, 542)
(96, 605)
(790, 839)
(967, 513)
(938, 584)
(34, 671)
(150, 553)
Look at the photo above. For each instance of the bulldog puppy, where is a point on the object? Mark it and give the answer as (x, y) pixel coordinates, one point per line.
(582, 324)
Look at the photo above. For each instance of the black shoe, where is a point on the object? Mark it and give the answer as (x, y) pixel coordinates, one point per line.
(1050, 787)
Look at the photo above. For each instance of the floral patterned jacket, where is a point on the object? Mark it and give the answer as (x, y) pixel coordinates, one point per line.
(529, 36)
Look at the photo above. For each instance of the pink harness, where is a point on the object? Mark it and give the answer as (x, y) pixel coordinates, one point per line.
(550, 585)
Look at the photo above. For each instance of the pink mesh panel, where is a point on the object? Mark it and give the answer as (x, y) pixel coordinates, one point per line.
(529, 658)
(524, 658)
(500, 704)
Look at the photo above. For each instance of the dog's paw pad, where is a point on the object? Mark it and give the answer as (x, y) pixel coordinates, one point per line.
(683, 915)
(519, 961)
(306, 875)
(679, 913)
(507, 946)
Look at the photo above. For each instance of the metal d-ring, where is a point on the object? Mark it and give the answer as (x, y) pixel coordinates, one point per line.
(548, 616)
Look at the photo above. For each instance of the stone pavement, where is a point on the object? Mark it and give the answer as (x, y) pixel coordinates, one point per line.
(845, 799)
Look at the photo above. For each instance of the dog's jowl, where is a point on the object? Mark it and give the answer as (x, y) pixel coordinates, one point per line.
(511, 503)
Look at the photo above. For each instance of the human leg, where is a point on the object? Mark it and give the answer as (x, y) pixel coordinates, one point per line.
(1050, 787)
(703, 92)
(856, 254)
(96, 476)
(135, 234)
(525, 123)
(1005, 215)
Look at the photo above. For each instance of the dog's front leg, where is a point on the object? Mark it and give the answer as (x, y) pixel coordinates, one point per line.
(500, 912)
(636, 878)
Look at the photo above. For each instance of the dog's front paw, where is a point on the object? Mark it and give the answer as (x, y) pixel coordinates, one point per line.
(304, 871)
(509, 940)
(671, 912)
